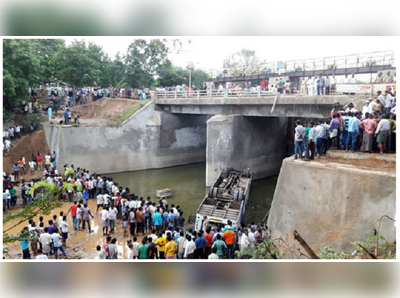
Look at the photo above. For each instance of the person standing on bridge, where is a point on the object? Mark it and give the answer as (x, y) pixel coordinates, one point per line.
(327, 85)
(321, 85)
(310, 86)
(303, 83)
(264, 85)
(311, 140)
(299, 140)
(248, 87)
(281, 83)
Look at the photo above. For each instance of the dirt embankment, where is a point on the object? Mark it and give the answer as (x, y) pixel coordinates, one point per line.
(28, 144)
(105, 108)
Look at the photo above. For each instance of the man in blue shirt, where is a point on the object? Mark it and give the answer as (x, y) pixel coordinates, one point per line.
(157, 220)
(25, 243)
(200, 244)
(165, 219)
(66, 116)
(353, 130)
(171, 219)
(346, 118)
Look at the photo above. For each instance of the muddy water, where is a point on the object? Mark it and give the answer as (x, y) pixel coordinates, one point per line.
(188, 189)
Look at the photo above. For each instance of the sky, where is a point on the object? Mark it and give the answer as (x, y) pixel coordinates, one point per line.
(209, 52)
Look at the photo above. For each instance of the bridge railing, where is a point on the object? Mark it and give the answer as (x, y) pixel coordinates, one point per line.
(223, 93)
(326, 63)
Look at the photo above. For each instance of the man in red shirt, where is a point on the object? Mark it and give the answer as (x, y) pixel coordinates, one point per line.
(39, 161)
(73, 209)
(264, 85)
(209, 239)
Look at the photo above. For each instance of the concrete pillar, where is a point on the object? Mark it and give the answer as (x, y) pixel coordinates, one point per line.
(244, 142)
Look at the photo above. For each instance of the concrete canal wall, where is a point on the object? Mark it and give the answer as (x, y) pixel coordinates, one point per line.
(148, 139)
(332, 204)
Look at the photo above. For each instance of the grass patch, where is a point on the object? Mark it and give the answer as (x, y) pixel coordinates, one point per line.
(129, 112)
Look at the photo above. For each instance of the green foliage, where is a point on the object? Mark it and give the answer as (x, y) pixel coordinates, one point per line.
(265, 250)
(328, 253)
(129, 112)
(26, 63)
(32, 62)
(142, 60)
(6, 115)
(79, 64)
(169, 75)
(385, 248)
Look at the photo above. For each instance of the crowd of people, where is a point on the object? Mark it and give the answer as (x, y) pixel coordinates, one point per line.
(45, 164)
(373, 129)
(12, 133)
(161, 226)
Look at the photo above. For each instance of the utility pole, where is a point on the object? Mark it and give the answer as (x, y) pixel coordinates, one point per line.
(190, 78)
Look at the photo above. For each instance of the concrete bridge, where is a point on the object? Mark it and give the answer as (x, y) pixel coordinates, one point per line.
(256, 105)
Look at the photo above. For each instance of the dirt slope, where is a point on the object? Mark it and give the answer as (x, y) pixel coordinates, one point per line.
(27, 145)
(105, 108)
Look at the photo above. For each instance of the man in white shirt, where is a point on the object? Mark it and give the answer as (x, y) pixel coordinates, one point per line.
(382, 132)
(251, 237)
(244, 240)
(365, 109)
(352, 80)
(45, 240)
(112, 216)
(56, 237)
(310, 86)
(47, 158)
(8, 145)
(371, 105)
(100, 202)
(388, 102)
(104, 220)
(64, 230)
(190, 247)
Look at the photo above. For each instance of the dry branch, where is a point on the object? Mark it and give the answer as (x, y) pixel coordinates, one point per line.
(304, 244)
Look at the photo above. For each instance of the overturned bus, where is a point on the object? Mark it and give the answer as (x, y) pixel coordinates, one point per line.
(226, 199)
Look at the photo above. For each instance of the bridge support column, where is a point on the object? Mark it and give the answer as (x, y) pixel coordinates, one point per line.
(244, 142)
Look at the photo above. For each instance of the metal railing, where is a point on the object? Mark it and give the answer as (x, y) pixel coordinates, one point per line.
(208, 94)
(326, 63)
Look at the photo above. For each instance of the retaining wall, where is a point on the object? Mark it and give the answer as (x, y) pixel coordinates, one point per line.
(148, 139)
(331, 204)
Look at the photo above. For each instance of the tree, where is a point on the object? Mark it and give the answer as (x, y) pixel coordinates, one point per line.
(116, 71)
(142, 60)
(21, 69)
(78, 64)
(243, 61)
(46, 200)
(198, 78)
(169, 75)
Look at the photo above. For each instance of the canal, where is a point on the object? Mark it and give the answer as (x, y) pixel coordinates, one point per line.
(187, 184)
